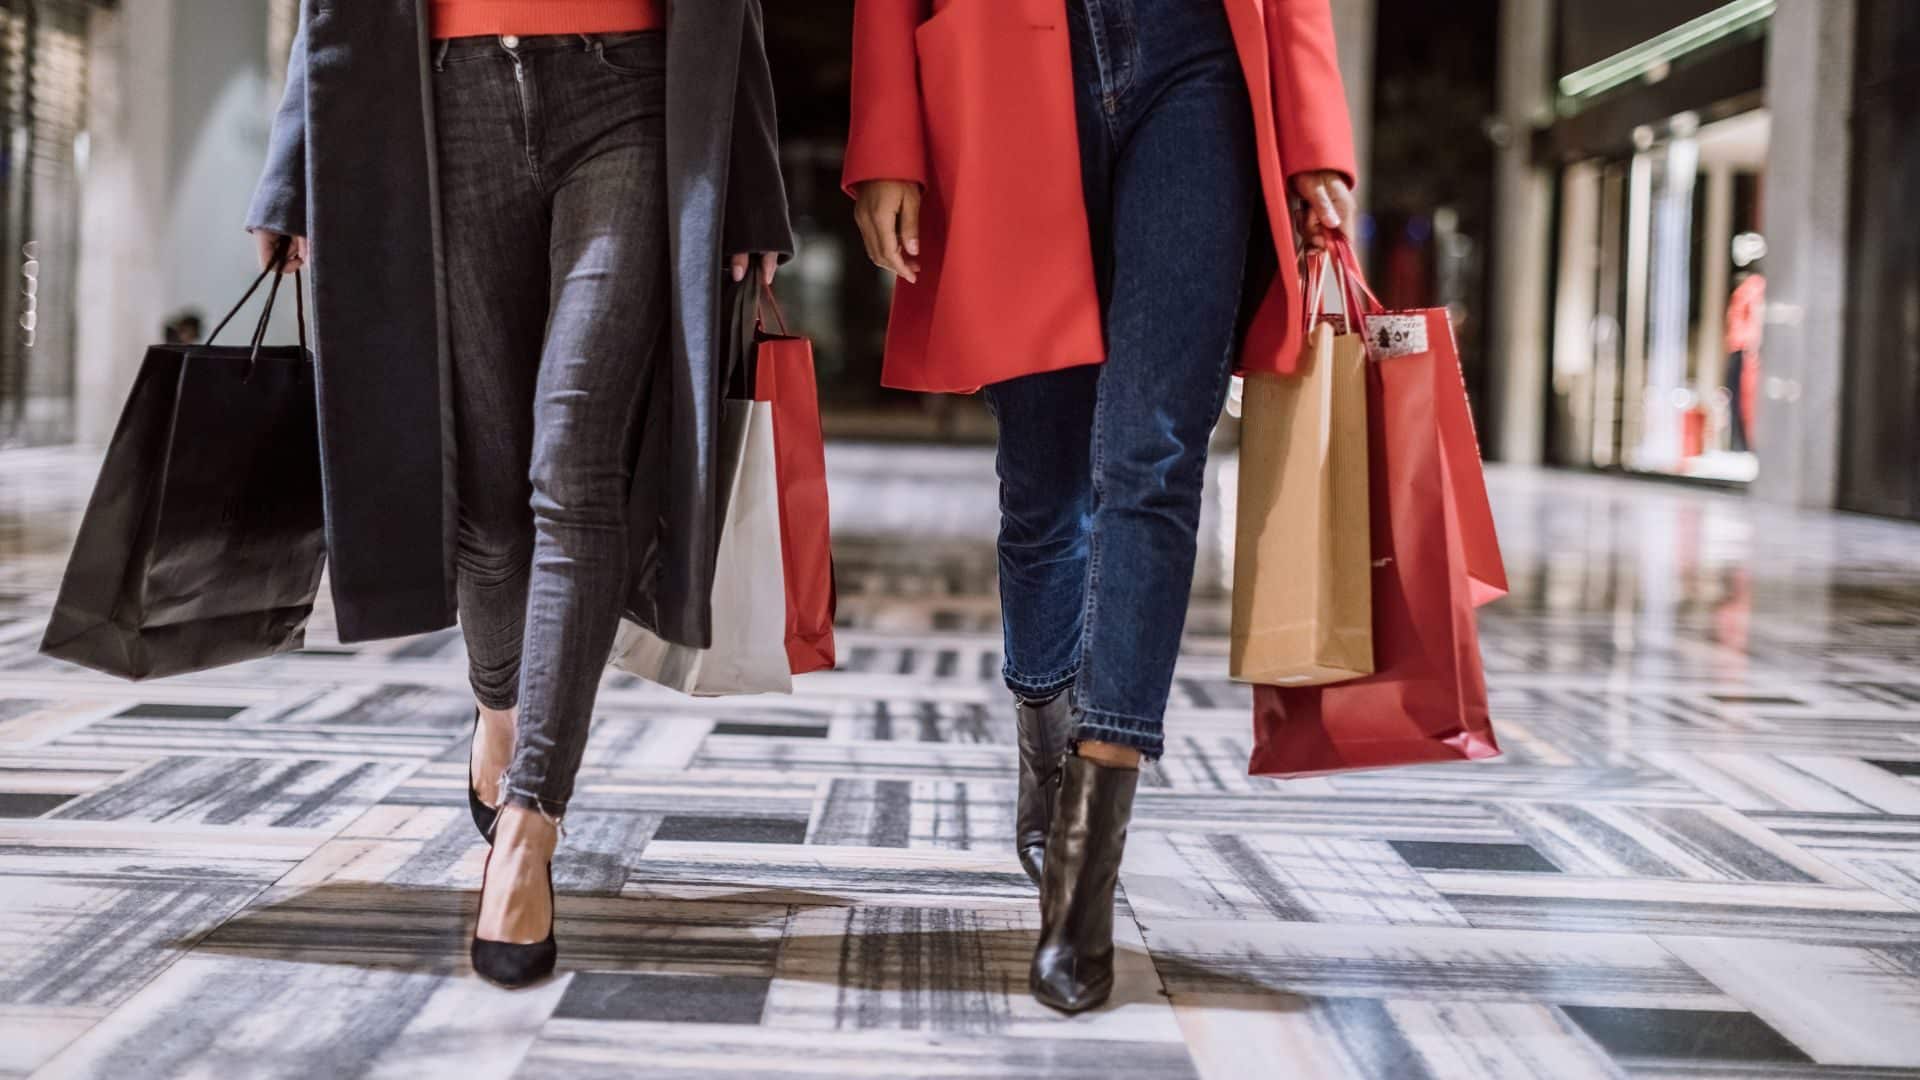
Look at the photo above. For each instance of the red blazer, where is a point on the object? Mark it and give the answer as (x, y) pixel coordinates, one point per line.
(973, 99)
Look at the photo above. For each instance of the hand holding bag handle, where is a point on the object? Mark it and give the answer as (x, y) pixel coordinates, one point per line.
(280, 254)
(1356, 297)
(766, 294)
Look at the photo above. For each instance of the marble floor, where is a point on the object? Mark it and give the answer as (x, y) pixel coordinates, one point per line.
(1699, 858)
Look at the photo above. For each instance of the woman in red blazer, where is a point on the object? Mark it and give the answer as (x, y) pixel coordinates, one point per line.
(1086, 203)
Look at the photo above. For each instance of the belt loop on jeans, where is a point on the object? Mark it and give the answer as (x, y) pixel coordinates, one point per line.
(440, 50)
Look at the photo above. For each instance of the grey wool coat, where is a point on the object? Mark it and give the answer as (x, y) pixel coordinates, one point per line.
(352, 167)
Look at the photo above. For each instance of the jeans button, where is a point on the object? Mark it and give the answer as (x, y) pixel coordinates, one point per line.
(511, 41)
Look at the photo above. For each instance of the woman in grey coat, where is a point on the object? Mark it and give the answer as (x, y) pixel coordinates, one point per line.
(519, 242)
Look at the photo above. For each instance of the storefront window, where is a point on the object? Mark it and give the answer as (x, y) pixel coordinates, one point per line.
(1658, 348)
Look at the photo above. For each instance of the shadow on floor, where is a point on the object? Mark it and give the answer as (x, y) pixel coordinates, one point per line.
(887, 949)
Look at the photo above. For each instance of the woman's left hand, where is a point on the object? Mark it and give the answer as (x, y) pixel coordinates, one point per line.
(1330, 204)
(769, 265)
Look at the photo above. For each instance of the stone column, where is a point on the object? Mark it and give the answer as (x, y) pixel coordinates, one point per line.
(1797, 429)
(177, 125)
(123, 208)
(1518, 309)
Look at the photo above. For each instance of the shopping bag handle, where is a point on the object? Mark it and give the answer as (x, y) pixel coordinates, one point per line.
(766, 293)
(281, 252)
(1359, 299)
(1356, 298)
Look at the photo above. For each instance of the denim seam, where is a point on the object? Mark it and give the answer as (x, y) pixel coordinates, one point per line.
(599, 49)
(1097, 37)
(1090, 608)
(1127, 60)
(524, 90)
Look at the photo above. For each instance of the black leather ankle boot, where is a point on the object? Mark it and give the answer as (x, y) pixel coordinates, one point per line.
(1073, 967)
(1045, 733)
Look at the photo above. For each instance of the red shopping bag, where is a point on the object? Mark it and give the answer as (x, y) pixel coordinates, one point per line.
(783, 377)
(1435, 559)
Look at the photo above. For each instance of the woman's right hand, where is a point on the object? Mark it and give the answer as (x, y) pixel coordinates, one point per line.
(888, 213)
(268, 242)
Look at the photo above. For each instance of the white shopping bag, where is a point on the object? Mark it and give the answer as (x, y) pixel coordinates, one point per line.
(749, 653)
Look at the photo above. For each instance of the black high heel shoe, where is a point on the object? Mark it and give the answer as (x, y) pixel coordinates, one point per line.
(1073, 967)
(1045, 734)
(510, 966)
(483, 815)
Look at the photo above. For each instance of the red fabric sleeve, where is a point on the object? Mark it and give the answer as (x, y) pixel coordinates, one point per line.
(886, 139)
(1309, 99)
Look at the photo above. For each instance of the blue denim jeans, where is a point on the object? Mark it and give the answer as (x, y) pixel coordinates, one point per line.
(1101, 468)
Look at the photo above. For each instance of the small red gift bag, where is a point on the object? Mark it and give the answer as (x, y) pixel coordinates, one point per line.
(783, 377)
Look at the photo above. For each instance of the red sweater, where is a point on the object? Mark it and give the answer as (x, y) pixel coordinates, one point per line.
(470, 18)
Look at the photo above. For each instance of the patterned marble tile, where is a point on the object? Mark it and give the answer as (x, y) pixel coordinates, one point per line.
(1837, 1005)
(1654, 905)
(32, 1034)
(1426, 963)
(1700, 843)
(608, 1051)
(959, 816)
(946, 969)
(217, 1014)
(1272, 877)
(266, 792)
(831, 875)
(1700, 857)
(1384, 1039)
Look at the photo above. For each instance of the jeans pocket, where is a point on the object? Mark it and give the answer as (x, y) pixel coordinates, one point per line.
(637, 55)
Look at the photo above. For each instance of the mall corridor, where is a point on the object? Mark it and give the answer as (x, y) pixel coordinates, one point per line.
(1700, 856)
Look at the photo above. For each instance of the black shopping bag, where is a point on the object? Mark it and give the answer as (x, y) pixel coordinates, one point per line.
(203, 541)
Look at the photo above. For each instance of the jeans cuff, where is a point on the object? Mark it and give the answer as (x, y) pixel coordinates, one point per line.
(489, 698)
(1041, 689)
(553, 811)
(1132, 732)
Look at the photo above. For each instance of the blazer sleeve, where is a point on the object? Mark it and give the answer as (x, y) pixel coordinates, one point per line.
(280, 199)
(886, 137)
(1309, 99)
(757, 220)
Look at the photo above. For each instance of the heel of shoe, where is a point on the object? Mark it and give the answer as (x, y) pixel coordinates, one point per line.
(484, 816)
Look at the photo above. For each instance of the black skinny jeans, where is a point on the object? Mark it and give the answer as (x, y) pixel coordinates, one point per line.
(553, 207)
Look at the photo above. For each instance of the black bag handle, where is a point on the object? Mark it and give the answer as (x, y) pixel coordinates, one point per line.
(766, 294)
(281, 252)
